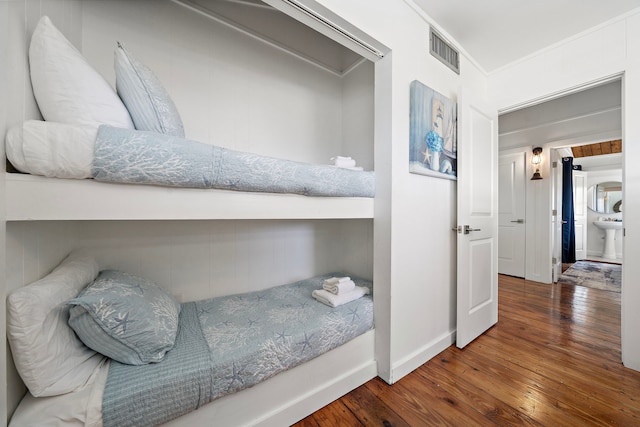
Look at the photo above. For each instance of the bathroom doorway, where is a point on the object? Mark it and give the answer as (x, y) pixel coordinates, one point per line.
(598, 198)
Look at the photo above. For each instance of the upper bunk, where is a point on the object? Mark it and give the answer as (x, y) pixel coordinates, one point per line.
(245, 76)
(35, 198)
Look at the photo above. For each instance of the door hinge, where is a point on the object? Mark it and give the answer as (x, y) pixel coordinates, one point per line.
(554, 212)
(554, 165)
(554, 261)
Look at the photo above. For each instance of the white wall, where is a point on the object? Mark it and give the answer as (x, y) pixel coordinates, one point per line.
(358, 114)
(196, 259)
(4, 67)
(609, 50)
(415, 250)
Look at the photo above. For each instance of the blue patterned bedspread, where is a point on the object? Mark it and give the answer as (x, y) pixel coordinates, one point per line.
(229, 343)
(139, 157)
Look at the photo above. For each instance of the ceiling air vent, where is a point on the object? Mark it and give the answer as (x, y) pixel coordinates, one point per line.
(444, 51)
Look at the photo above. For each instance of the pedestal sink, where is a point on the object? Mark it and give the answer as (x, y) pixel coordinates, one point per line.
(609, 228)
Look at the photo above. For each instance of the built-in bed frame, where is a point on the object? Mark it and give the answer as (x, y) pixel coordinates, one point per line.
(288, 396)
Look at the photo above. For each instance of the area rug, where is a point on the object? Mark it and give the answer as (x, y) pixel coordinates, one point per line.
(591, 274)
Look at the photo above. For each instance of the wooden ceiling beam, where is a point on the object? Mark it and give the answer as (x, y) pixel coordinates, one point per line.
(606, 147)
(577, 151)
(616, 146)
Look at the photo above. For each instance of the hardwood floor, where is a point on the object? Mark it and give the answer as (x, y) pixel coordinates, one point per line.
(553, 359)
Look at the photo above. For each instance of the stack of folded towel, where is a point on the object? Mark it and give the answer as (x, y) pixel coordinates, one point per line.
(339, 290)
(345, 163)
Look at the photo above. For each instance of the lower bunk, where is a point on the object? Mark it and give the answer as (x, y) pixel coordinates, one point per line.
(268, 357)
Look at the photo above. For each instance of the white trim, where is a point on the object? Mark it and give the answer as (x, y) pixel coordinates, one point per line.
(559, 94)
(332, 26)
(323, 20)
(419, 357)
(35, 198)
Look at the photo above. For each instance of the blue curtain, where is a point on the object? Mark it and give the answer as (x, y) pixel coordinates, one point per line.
(568, 223)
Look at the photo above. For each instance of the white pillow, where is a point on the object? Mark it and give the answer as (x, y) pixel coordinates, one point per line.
(52, 149)
(148, 102)
(66, 87)
(48, 355)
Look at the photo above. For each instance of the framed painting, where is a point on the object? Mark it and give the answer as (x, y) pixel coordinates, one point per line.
(433, 133)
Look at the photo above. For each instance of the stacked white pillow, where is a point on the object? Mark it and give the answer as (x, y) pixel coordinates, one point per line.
(75, 99)
(48, 355)
(67, 88)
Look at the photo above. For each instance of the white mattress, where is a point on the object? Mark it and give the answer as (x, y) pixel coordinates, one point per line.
(81, 408)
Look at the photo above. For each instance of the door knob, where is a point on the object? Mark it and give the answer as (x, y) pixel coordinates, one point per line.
(519, 221)
(465, 230)
(468, 229)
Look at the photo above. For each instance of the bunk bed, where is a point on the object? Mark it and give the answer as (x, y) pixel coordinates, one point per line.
(90, 133)
(168, 359)
(284, 398)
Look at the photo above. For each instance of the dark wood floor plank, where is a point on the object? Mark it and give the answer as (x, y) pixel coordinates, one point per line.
(370, 410)
(419, 404)
(516, 394)
(575, 399)
(554, 358)
(602, 383)
(494, 409)
(335, 414)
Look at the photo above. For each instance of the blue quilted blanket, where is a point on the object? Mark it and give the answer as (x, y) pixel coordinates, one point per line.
(229, 343)
(139, 157)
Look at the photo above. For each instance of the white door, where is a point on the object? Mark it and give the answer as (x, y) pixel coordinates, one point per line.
(477, 299)
(511, 214)
(580, 213)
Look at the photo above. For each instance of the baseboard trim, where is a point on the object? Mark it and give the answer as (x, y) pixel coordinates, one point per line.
(420, 356)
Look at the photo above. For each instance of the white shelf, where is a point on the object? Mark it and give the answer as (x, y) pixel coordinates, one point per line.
(34, 198)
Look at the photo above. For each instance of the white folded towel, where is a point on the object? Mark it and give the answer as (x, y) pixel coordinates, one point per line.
(355, 168)
(333, 300)
(343, 162)
(338, 285)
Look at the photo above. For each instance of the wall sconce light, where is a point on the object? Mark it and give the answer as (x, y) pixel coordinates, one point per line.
(535, 161)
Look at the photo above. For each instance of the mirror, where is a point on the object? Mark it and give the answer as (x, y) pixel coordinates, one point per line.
(605, 197)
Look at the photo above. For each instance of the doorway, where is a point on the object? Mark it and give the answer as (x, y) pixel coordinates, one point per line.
(600, 197)
(581, 118)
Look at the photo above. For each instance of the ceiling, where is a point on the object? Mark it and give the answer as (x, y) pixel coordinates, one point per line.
(586, 118)
(497, 32)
